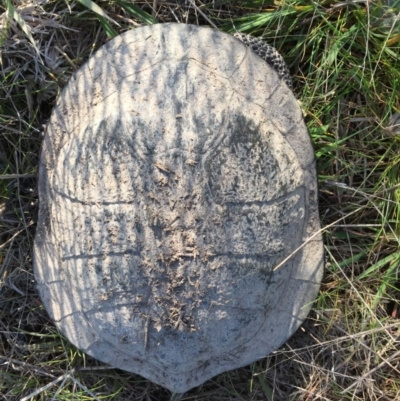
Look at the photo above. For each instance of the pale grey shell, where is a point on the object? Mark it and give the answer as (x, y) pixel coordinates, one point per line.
(178, 225)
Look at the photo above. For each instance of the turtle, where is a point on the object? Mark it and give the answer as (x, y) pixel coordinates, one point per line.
(178, 233)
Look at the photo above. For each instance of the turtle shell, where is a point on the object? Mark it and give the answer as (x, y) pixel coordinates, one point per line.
(178, 231)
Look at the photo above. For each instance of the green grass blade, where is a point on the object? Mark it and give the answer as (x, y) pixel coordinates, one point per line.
(19, 20)
(257, 21)
(97, 10)
(388, 280)
(394, 258)
(267, 390)
(353, 259)
(137, 12)
(108, 29)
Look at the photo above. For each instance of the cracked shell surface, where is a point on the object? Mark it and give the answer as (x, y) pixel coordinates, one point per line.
(177, 233)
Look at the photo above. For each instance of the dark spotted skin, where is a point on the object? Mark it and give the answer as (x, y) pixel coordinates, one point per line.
(267, 53)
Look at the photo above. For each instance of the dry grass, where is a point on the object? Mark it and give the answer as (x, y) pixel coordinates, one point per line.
(345, 60)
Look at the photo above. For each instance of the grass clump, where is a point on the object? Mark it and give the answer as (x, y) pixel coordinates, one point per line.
(345, 61)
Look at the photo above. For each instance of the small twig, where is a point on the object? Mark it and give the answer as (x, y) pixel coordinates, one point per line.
(44, 388)
(313, 236)
(153, 11)
(14, 287)
(203, 15)
(15, 235)
(62, 378)
(84, 388)
(70, 62)
(363, 377)
(13, 176)
(5, 360)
